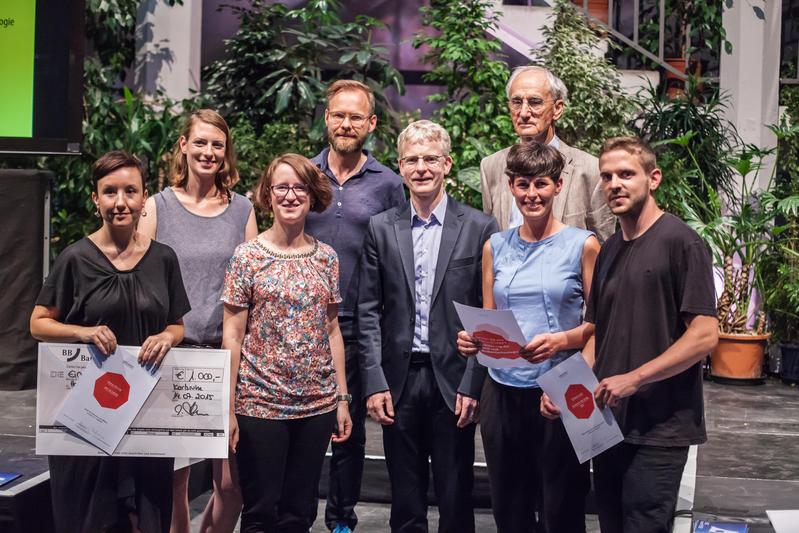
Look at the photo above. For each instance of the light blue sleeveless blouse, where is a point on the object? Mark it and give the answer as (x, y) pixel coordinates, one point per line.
(542, 283)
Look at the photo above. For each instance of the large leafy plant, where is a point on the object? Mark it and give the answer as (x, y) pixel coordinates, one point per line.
(739, 227)
(467, 63)
(279, 62)
(697, 164)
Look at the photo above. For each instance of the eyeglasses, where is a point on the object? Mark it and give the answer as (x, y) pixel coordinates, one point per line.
(430, 161)
(535, 104)
(356, 121)
(282, 190)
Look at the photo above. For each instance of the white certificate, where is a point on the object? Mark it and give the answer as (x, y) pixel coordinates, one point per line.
(499, 334)
(571, 385)
(186, 415)
(107, 397)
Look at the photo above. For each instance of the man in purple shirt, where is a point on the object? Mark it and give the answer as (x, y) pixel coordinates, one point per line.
(362, 187)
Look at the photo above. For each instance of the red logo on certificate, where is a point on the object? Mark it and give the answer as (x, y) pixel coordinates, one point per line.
(496, 345)
(580, 401)
(111, 390)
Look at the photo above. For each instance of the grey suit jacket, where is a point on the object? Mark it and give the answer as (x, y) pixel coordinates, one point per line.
(386, 302)
(580, 202)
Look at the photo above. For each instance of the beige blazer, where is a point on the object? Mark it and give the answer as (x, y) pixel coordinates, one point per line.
(580, 202)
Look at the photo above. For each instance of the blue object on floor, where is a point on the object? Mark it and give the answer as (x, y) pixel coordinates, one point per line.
(342, 528)
(703, 526)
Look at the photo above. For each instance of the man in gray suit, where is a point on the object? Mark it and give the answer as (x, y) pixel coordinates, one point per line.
(536, 99)
(417, 260)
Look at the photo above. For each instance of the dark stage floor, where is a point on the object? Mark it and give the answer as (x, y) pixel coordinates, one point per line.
(750, 463)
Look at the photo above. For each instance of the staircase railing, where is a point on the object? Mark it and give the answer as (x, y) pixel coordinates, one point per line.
(634, 43)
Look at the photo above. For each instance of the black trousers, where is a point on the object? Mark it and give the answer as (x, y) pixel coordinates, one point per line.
(637, 487)
(531, 464)
(424, 427)
(280, 462)
(346, 464)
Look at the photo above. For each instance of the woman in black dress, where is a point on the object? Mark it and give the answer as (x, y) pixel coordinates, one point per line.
(115, 286)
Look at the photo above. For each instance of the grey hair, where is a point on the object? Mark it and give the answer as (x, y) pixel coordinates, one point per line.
(424, 131)
(557, 88)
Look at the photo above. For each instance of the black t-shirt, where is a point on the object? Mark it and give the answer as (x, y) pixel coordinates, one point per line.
(642, 291)
(89, 291)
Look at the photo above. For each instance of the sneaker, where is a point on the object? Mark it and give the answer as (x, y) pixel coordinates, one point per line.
(342, 528)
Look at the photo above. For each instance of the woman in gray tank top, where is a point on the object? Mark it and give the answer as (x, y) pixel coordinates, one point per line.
(203, 221)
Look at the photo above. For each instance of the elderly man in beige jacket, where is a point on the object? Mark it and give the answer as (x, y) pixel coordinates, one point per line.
(536, 99)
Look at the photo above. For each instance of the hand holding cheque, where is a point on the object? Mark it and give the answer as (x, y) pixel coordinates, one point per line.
(497, 341)
(182, 413)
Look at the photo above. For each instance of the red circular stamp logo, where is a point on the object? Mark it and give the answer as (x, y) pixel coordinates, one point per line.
(111, 390)
(580, 401)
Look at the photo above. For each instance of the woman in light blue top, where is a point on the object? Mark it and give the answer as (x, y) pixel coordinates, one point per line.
(542, 272)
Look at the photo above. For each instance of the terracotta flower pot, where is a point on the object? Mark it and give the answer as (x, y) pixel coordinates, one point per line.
(596, 8)
(675, 85)
(738, 357)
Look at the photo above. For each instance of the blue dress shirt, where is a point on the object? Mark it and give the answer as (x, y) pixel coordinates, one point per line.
(426, 241)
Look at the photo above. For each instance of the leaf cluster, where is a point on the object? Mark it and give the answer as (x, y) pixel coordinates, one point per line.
(278, 64)
(597, 107)
(709, 139)
(467, 63)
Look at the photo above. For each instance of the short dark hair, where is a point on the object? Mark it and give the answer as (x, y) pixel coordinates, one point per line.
(113, 161)
(533, 160)
(318, 183)
(635, 146)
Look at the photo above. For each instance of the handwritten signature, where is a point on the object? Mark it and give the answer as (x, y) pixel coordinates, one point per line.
(191, 409)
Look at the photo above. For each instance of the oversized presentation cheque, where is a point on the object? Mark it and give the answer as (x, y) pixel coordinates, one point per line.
(186, 415)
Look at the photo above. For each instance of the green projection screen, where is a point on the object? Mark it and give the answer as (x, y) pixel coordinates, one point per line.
(17, 44)
(41, 76)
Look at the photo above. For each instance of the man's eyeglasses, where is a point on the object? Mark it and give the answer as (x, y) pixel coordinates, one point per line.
(535, 104)
(430, 161)
(300, 191)
(356, 121)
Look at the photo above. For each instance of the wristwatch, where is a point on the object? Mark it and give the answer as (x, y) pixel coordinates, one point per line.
(344, 398)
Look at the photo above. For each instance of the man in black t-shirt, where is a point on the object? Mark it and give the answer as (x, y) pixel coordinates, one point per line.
(653, 303)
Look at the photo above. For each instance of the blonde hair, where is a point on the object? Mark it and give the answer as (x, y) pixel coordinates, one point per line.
(635, 146)
(424, 131)
(228, 175)
(351, 85)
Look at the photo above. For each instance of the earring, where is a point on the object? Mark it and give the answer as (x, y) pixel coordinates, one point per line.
(97, 210)
(143, 212)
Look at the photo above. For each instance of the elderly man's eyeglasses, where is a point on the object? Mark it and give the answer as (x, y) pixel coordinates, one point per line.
(356, 121)
(300, 191)
(535, 104)
(430, 161)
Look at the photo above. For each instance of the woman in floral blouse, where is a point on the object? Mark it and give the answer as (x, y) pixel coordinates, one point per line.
(281, 327)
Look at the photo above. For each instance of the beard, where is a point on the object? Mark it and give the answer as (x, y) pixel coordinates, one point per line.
(346, 145)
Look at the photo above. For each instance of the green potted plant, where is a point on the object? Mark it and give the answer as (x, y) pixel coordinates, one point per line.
(738, 228)
(780, 267)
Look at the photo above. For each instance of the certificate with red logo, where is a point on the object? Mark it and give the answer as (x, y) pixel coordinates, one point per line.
(107, 397)
(499, 334)
(184, 413)
(570, 385)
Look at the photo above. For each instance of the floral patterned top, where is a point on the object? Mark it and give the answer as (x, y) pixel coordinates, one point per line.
(286, 367)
